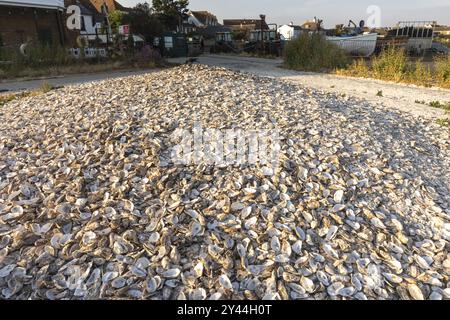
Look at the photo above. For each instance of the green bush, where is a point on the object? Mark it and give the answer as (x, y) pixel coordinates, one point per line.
(420, 73)
(314, 53)
(394, 65)
(391, 64)
(443, 69)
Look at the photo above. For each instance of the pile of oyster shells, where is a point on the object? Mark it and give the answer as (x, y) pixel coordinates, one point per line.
(90, 208)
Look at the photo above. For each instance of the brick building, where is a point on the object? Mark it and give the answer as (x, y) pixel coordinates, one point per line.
(37, 21)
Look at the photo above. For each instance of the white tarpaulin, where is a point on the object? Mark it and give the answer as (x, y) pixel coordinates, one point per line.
(50, 4)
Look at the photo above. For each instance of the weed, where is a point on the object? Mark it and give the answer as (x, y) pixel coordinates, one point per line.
(314, 53)
(45, 87)
(392, 65)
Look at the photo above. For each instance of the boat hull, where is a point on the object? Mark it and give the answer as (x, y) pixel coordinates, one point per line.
(361, 46)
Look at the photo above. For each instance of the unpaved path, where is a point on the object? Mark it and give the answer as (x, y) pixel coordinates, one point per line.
(8, 86)
(399, 96)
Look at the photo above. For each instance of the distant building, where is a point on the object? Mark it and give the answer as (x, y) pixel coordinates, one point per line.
(442, 31)
(289, 32)
(95, 27)
(38, 21)
(245, 24)
(202, 23)
(202, 19)
(311, 25)
(91, 19)
(44, 21)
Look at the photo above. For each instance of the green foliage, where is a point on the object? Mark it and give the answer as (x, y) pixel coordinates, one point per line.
(45, 87)
(440, 105)
(48, 61)
(6, 98)
(116, 19)
(443, 69)
(358, 68)
(446, 106)
(170, 11)
(39, 56)
(420, 73)
(391, 62)
(314, 53)
(444, 122)
(143, 21)
(394, 65)
(380, 93)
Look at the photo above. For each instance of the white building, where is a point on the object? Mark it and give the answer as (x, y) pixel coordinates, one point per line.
(289, 32)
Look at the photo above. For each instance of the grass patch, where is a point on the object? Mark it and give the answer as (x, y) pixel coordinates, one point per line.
(45, 87)
(444, 122)
(441, 105)
(380, 93)
(314, 53)
(5, 98)
(393, 65)
(47, 61)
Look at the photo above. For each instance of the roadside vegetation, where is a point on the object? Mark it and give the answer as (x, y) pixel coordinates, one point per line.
(42, 61)
(47, 61)
(394, 65)
(314, 53)
(8, 97)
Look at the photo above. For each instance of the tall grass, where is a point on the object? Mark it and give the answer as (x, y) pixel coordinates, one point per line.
(393, 65)
(443, 70)
(314, 53)
(37, 57)
(51, 61)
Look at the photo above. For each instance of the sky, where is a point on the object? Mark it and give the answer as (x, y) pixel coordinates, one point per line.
(331, 11)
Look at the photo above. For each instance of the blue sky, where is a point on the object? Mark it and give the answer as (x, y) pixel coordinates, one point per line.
(331, 11)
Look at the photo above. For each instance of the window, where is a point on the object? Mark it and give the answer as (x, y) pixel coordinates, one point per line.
(168, 42)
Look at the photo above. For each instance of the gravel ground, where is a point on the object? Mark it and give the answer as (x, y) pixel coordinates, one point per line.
(91, 207)
(396, 96)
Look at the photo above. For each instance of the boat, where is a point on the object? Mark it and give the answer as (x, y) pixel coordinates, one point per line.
(362, 45)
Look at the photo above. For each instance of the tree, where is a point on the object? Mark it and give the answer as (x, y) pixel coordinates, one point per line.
(170, 11)
(142, 21)
(116, 19)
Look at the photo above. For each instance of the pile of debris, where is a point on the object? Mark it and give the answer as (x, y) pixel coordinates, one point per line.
(92, 207)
